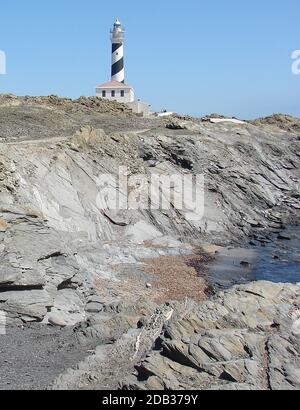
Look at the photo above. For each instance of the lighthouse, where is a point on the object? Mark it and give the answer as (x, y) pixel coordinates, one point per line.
(116, 89)
(117, 61)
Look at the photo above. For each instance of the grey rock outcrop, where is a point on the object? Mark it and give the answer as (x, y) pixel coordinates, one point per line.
(66, 259)
(208, 346)
(53, 234)
(240, 339)
(279, 121)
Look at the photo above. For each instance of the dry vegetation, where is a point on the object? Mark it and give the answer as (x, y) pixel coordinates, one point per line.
(172, 278)
(179, 277)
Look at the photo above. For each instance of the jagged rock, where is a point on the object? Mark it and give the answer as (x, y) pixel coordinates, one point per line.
(280, 121)
(284, 237)
(20, 276)
(284, 354)
(177, 124)
(68, 306)
(241, 338)
(32, 303)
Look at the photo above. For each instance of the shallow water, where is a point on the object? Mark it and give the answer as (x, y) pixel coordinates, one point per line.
(275, 261)
(279, 261)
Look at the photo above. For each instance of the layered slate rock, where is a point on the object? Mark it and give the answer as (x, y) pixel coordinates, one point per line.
(59, 246)
(244, 338)
(29, 305)
(240, 339)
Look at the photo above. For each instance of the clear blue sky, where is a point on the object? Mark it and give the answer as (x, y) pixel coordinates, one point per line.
(192, 56)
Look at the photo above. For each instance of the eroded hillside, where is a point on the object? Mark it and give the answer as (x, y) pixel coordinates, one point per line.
(65, 259)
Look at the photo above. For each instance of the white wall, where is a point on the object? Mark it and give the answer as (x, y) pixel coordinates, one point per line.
(128, 96)
(140, 107)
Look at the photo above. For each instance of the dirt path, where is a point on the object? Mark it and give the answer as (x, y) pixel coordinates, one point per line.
(37, 141)
(53, 140)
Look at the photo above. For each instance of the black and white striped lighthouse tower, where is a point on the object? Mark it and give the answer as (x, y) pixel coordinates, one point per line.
(116, 89)
(117, 39)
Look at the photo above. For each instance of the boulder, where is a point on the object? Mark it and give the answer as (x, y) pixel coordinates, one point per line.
(30, 303)
(57, 320)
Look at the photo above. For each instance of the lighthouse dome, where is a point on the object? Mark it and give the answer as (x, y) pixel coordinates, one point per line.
(117, 23)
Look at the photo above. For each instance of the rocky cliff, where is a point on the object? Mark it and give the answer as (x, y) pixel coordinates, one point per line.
(65, 259)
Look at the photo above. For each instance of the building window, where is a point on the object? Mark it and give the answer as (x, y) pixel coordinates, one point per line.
(113, 93)
(122, 93)
(103, 94)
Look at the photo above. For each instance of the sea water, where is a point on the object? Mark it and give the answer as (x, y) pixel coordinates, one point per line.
(279, 260)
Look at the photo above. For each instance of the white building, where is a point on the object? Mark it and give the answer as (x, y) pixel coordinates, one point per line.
(116, 89)
(113, 90)
(140, 107)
